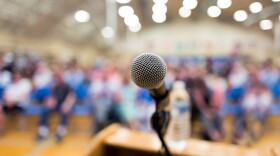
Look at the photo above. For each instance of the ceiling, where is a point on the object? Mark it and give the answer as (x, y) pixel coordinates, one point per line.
(55, 19)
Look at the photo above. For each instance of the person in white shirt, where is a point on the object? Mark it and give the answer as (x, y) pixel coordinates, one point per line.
(17, 92)
(42, 80)
(269, 75)
(15, 97)
(238, 76)
(256, 103)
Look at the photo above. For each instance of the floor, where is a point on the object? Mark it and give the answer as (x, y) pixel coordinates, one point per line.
(20, 140)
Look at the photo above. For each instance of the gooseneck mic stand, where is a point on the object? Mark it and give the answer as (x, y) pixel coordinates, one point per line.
(160, 119)
(159, 123)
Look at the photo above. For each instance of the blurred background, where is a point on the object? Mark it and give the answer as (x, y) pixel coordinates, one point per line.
(65, 70)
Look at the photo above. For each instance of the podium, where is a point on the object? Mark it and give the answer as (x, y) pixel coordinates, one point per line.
(118, 141)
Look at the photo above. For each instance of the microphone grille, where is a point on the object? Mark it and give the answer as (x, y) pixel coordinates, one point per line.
(148, 70)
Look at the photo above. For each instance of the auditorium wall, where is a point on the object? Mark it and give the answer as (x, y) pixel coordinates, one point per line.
(48, 47)
(182, 38)
(201, 38)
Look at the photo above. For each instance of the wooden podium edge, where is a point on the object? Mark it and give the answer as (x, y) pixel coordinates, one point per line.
(96, 145)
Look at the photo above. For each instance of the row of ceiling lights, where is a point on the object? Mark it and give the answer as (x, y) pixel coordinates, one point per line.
(186, 10)
(130, 19)
(215, 11)
(159, 14)
(159, 11)
(254, 7)
(83, 16)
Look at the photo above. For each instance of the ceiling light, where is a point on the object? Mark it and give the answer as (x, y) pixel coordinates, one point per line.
(255, 7)
(125, 11)
(131, 20)
(108, 32)
(240, 15)
(214, 11)
(190, 4)
(160, 1)
(135, 28)
(123, 1)
(275, 0)
(266, 24)
(82, 16)
(223, 4)
(158, 18)
(159, 8)
(184, 12)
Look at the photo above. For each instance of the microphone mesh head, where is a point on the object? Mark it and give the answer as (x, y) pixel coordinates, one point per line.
(148, 70)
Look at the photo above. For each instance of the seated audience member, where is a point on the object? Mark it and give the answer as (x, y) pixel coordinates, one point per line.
(237, 84)
(256, 104)
(5, 79)
(2, 120)
(17, 92)
(42, 79)
(238, 77)
(15, 96)
(75, 78)
(61, 100)
(269, 75)
(276, 92)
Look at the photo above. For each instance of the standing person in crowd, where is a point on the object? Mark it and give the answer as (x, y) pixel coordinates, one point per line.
(147, 107)
(61, 100)
(200, 103)
(218, 87)
(102, 99)
(127, 103)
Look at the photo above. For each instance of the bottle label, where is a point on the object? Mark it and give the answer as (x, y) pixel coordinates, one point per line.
(181, 120)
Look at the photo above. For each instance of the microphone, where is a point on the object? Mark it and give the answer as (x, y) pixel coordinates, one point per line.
(148, 71)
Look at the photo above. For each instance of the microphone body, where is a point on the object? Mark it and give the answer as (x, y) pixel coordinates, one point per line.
(148, 71)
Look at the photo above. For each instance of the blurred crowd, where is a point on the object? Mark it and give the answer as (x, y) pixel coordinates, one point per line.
(105, 86)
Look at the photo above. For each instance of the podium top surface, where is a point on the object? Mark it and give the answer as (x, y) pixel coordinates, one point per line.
(135, 140)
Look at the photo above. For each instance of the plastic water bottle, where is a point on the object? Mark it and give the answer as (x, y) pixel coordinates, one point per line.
(180, 128)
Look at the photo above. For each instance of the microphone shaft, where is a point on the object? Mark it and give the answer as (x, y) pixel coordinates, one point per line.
(161, 96)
